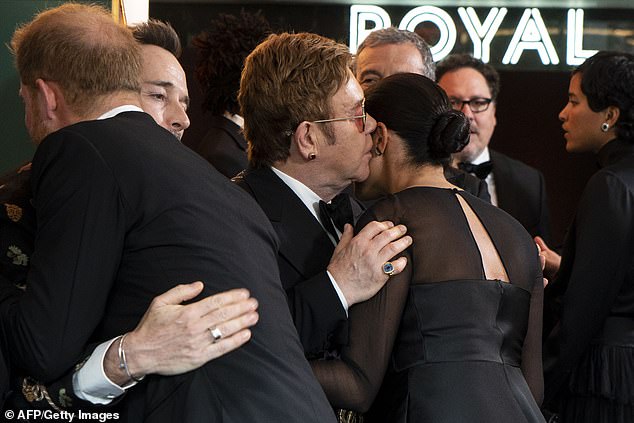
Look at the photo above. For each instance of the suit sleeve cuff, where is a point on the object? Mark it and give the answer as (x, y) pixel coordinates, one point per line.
(90, 383)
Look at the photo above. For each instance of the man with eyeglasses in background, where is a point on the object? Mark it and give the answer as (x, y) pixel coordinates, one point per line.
(309, 138)
(472, 87)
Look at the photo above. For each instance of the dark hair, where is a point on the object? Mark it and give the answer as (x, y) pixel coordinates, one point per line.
(222, 49)
(15, 186)
(160, 34)
(454, 62)
(417, 109)
(607, 79)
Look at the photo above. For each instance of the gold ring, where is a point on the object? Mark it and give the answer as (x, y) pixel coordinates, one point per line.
(388, 268)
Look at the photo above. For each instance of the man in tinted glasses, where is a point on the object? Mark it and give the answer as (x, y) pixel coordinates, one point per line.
(472, 87)
(309, 138)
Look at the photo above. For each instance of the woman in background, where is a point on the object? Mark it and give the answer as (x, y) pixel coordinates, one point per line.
(590, 353)
(456, 336)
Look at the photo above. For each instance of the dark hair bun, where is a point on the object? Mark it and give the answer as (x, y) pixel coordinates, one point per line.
(449, 134)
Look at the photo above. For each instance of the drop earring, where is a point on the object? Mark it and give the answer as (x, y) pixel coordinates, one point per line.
(605, 126)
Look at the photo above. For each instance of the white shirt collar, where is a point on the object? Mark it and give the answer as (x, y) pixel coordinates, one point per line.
(305, 194)
(120, 109)
(237, 119)
(483, 157)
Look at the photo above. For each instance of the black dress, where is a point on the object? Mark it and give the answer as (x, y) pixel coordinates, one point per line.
(590, 353)
(453, 346)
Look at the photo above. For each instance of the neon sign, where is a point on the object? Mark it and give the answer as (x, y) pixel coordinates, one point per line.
(529, 34)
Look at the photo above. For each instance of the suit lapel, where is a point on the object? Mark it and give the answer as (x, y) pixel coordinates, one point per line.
(504, 182)
(303, 241)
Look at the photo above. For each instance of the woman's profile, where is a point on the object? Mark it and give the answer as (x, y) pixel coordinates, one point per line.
(590, 353)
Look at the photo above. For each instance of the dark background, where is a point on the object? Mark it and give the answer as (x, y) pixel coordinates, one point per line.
(528, 128)
(531, 96)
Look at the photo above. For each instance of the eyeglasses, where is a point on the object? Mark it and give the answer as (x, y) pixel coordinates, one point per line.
(476, 105)
(358, 120)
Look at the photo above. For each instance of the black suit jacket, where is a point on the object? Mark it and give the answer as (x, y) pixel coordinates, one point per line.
(124, 213)
(223, 146)
(521, 192)
(467, 182)
(305, 251)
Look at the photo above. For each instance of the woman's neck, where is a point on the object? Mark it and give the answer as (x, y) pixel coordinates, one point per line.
(426, 176)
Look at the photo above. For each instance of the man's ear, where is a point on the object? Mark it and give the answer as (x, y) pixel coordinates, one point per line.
(380, 139)
(305, 140)
(49, 95)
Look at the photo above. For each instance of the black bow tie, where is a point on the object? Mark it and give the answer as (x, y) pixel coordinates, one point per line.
(481, 170)
(338, 211)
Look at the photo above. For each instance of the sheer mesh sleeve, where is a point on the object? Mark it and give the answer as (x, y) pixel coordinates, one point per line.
(353, 381)
(532, 348)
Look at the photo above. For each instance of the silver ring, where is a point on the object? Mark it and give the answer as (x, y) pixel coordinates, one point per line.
(216, 334)
(388, 268)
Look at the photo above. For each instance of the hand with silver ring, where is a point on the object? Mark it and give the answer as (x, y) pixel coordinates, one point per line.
(215, 334)
(173, 336)
(388, 268)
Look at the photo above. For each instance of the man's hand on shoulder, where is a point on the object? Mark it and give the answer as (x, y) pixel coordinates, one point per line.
(172, 338)
(357, 262)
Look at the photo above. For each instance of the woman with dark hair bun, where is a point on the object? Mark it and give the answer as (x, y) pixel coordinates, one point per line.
(455, 337)
(590, 352)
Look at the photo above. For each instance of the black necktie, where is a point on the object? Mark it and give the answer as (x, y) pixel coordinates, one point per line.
(338, 211)
(481, 170)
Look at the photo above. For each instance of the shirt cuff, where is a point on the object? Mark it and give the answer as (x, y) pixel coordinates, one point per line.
(339, 292)
(90, 383)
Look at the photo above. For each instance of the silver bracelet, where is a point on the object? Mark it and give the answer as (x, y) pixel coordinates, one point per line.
(123, 363)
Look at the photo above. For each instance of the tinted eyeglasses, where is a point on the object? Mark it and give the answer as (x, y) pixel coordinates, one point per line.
(476, 105)
(358, 120)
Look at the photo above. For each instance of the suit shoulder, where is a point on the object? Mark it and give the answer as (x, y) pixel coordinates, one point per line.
(241, 180)
(499, 158)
